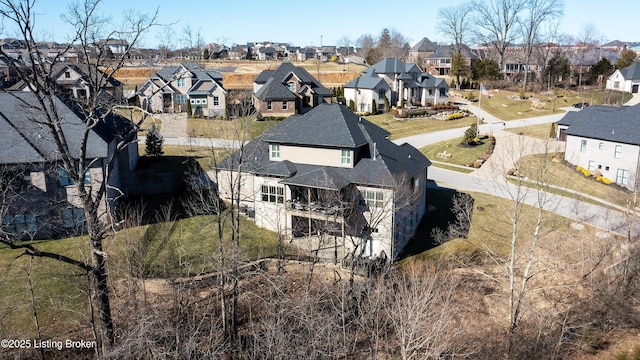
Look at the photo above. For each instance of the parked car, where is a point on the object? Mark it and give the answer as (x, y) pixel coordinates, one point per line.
(581, 105)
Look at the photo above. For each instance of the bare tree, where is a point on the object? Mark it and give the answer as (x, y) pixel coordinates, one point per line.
(496, 24)
(455, 23)
(364, 44)
(537, 12)
(89, 28)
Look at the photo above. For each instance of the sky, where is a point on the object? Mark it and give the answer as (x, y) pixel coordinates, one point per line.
(315, 23)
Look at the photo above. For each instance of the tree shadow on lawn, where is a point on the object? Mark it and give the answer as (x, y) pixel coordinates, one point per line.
(182, 169)
(438, 219)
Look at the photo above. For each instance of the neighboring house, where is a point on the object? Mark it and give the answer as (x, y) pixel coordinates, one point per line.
(48, 204)
(287, 90)
(407, 84)
(421, 50)
(627, 79)
(117, 46)
(439, 62)
(171, 88)
(72, 82)
(605, 140)
(369, 93)
(330, 175)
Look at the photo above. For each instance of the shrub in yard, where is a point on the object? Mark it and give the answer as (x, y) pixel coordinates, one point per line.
(603, 180)
(454, 116)
(586, 172)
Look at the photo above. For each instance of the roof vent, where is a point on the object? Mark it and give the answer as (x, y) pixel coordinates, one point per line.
(409, 156)
(613, 132)
(360, 119)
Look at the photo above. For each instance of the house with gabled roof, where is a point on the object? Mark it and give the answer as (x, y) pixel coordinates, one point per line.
(407, 84)
(287, 90)
(627, 79)
(73, 82)
(39, 198)
(332, 177)
(170, 89)
(605, 140)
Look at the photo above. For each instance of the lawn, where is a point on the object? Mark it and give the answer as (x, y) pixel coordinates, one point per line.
(456, 154)
(565, 176)
(226, 129)
(136, 116)
(506, 105)
(540, 131)
(413, 126)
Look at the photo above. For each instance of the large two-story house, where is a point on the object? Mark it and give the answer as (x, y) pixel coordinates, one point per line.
(406, 85)
(72, 82)
(170, 89)
(605, 140)
(39, 198)
(331, 174)
(287, 90)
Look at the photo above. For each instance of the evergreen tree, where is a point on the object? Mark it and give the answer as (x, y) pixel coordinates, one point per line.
(352, 105)
(205, 54)
(626, 58)
(189, 110)
(470, 135)
(154, 142)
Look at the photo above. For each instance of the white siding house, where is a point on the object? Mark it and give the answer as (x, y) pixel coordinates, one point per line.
(605, 140)
(627, 79)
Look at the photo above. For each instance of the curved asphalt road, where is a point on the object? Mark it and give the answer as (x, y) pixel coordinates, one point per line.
(607, 218)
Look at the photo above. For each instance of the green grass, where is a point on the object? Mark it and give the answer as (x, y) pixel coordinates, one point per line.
(502, 106)
(407, 127)
(59, 290)
(459, 155)
(226, 129)
(564, 176)
(540, 131)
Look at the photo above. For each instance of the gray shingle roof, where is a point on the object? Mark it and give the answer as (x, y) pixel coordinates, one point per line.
(631, 72)
(280, 76)
(617, 124)
(424, 45)
(394, 66)
(25, 140)
(326, 125)
(331, 126)
(368, 80)
(274, 90)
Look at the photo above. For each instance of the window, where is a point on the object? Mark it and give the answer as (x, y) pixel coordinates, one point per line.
(373, 198)
(285, 105)
(182, 82)
(275, 151)
(273, 194)
(291, 86)
(181, 98)
(381, 94)
(19, 223)
(72, 217)
(63, 177)
(601, 146)
(616, 84)
(216, 101)
(268, 105)
(87, 177)
(583, 145)
(592, 165)
(622, 177)
(618, 152)
(67, 74)
(243, 183)
(345, 157)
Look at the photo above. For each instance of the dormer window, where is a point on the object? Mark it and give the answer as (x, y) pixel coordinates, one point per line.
(291, 86)
(182, 82)
(275, 151)
(67, 74)
(345, 157)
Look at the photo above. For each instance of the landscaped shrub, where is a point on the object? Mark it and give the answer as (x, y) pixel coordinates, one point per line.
(454, 116)
(603, 180)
